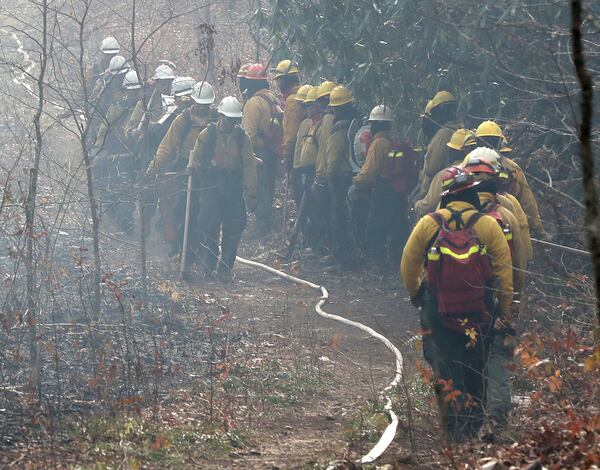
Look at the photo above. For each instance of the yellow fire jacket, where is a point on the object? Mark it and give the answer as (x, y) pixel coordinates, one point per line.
(323, 137)
(434, 194)
(512, 204)
(436, 157)
(380, 147)
(228, 156)
(338, 149)
(310, 144)
(302, 133)
(174, 150)
(521, 190)
(488, 231)
(292, 117)
(257, 117)
(519, 254)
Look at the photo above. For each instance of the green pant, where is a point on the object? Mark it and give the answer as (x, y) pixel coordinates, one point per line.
(458, 370)
(499, 388)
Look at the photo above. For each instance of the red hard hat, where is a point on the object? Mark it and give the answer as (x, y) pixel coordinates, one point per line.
(256, 72)
(481, 167)
(244, 70)
(455, 179)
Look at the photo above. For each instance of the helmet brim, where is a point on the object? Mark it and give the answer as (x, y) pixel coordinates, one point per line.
(230, 115)
(110, 51)
(203, 100)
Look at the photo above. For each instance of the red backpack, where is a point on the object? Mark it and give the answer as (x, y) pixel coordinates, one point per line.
(458, 272)
(400, 167)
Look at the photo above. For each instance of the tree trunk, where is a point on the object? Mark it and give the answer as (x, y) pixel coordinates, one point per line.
(592, 220)
(34, 379)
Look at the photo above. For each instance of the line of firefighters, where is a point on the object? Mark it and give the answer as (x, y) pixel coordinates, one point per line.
(356, 189)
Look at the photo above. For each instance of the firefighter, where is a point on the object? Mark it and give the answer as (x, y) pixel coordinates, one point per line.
(455, 297)
(484, 163)
(489, 134)
(262, 122)
(242, 82)
(307, 162)
(388, 208)
(115, 159)
(109, 48)
(456, 154)
(320, 195)
(108, 89)
(339, 174)
(288, 83)
(440, 122)
(172, 157)
(224, 168)
(297, 178)
(154, 102)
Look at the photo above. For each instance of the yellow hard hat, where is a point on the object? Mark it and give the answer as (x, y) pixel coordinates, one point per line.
(301, 93)
(427, 108)
(312, 95)
(470, 139)
(489, 129)
(284, 68)
(326, 88)
(339, 96)
(504, 148)
(441, 97)
(457, 140)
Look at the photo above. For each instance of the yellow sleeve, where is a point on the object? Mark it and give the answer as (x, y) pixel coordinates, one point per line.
(521, 217)
(168, 146)
(302, 131)
(435, 158)
(433, 197)
(519, 251)
(336, 150)
(292, 117)
(322, 138)
(415, 251)
(492, 237)
(113, 114)
(376, 155)
(252, 121)
(250, 172)
(196, 153)
(134, 120)
(527, 201)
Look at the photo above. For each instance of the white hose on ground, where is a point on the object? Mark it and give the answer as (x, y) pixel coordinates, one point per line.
(390, 432)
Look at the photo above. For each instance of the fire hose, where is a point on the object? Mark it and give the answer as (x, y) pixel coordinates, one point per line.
(561, 247)
(390, 432)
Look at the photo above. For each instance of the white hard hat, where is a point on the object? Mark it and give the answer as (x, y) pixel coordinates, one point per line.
(163, 72)
(170, 63)
(109, 45)
(132, 81)
(203, 93)
(182, 86)
(381, 113)
(485, 155)
(117, 65)
(230, 107)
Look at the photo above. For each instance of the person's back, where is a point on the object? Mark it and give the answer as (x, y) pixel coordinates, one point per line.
(468, 262)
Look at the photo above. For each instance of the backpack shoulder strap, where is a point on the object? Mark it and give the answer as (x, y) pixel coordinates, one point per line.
(240, 134)
(439, 219)
(211, 143)
(473, 220)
